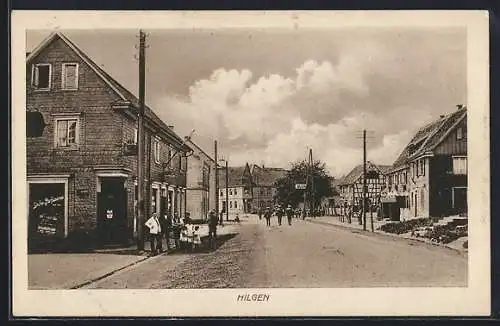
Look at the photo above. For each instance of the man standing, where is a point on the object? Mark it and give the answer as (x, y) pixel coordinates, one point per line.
(267, 216)
(289, 214)
(154, 234)
(279, 214)
(168, 228)
(260, 213)
(212, 229)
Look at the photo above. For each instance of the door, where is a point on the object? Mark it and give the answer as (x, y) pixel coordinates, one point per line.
(460, 200)
(112, 211)
(415, 205)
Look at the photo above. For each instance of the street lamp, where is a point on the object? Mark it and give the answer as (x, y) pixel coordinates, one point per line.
(227, 190)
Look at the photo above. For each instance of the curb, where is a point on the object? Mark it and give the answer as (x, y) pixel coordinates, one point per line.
(462, 252)
(96, 279)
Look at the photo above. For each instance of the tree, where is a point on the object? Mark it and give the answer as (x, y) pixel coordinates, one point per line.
(286, 194)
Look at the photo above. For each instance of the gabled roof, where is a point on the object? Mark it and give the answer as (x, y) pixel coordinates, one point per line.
(124, 94)
(193, 144)
(430, 136)
(235, 176)
(357, 173)
(266, 177)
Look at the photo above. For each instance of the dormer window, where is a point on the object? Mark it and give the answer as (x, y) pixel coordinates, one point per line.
(69, 77)
(41, 76)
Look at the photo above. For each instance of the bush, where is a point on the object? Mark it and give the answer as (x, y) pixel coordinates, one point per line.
(406, 226)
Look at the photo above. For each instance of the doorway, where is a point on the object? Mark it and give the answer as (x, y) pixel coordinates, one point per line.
(112, 211)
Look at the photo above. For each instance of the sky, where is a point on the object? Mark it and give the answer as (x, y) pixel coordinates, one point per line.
(269, 95)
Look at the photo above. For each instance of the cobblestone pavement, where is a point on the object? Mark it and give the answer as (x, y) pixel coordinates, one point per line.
(301, 255)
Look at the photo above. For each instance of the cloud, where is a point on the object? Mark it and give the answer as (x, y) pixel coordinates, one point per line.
(274, 119)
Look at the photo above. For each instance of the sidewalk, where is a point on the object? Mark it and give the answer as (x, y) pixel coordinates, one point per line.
(334, 220)
(51, 271)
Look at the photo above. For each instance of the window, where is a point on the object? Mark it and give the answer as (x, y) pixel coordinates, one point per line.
(421, 167)
(41, 76)
(222, 193)
(459, 134)
(136, 135)
(460, 165)
(230, 204)
(69, 78)
(156, 150)
(67, 132)
(231, 192)
(235, 204)
(235, 192)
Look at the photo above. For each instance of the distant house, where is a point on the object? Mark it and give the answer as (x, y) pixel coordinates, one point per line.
(239, 189)
(82, 151)
(200, 183)
(429, 178)
(351, 186)
(264, 187)
(331, 204)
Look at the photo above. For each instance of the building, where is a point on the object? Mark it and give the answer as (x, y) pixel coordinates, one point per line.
(351, 187)
(264, 189)
(239, 189)
(81, 167)
(429, 178)
(330, 205)
(200, 183)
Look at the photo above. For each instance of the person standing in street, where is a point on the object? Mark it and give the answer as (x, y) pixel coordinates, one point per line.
(289, 214)
(279, 214)
(154, 234)
(260, 213)
(267, 216)
(168, 229)
(212, 229)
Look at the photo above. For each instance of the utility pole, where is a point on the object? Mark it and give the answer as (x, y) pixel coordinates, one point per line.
(216, 182)
(140, 146)
(364, 180)
(227, 192)
(311, 172)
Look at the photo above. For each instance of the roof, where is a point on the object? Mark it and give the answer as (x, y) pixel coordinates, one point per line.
(357, 172)
(266, 177)
(190, 142)
(235, 176)
(430, 136)
(120, 90)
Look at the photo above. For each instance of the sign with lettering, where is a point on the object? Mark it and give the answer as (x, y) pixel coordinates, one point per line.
(109, 213)
(300, 186)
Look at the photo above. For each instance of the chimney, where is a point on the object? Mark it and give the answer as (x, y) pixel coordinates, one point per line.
(460, 106)
(171, 127)
(27, 54)
(441, 116)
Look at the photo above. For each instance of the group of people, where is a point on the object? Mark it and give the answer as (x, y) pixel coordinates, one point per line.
(279, 212)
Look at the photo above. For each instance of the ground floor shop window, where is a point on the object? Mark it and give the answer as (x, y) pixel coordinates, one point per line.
(47, 211)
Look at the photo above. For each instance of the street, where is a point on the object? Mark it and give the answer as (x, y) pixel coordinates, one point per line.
(304, 254)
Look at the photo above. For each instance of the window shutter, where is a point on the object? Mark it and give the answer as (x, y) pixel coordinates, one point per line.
(35, 76)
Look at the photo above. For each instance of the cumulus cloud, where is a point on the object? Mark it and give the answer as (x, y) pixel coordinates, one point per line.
(266, 119)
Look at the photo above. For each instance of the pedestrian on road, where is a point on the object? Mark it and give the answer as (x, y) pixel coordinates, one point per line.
(267, 216)
(279, 214)
(289, 214)
(212, 229)
(260, 213)
(167, 229)
(154, 234)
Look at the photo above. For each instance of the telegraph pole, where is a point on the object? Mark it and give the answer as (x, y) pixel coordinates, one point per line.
(311, 172)
(364, 180)
(227, 192)
(140, 146)
(217, 182)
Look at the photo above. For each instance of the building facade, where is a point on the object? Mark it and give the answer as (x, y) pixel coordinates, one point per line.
(429, 178)
(81, 168)
(350, 188)
(264, 188)
(239, 189)
(200, 186)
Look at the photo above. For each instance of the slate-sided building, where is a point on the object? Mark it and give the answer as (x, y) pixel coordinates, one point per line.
(81, 170)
